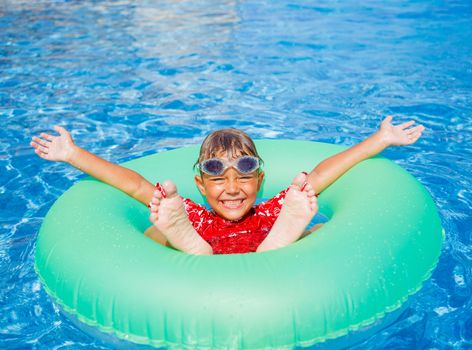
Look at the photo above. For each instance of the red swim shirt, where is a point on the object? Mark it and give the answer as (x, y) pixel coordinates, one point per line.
(231, 237)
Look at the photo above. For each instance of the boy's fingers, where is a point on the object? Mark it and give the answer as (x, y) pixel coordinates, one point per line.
(407, 124)
(46, 136)
(414, 137)
(418, 128)
(39, 148)
(41, 154)
(40, 141)
(62, 131)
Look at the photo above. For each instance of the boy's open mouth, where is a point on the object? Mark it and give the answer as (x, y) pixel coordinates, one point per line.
(232, 204)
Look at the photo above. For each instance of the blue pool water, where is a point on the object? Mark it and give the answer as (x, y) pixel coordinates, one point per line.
(130, 78)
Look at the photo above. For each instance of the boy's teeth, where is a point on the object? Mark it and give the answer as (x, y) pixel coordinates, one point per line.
(232, 203)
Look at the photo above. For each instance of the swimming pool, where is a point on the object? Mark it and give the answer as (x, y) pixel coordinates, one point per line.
(133, 78)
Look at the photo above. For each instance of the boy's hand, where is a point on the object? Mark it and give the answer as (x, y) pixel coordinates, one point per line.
(54, 148)
(399, 135)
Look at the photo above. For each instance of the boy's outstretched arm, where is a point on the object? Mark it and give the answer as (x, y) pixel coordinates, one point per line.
(330, 169)
(63, 149)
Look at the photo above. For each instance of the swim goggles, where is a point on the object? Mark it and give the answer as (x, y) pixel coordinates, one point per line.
(217, 166)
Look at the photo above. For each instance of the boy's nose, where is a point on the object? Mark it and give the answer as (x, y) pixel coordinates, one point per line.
(232, 186)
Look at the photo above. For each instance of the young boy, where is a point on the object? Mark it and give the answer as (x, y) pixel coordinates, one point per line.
(230, 177)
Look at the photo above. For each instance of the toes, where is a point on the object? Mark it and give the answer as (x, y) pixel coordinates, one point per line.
(299, 180)
(154, 206)
(314, 204)
(170, 188)
(153, 217)
(157, 194)
(306, 187)
(155, 202)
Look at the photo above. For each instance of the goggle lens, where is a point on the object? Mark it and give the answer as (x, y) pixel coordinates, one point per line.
(247, 165)
(213, 166)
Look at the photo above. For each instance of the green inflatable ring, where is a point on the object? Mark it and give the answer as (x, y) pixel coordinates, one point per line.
(381, 243)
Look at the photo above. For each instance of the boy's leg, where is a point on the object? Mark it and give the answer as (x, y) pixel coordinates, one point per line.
(299, 207)
(170, 219)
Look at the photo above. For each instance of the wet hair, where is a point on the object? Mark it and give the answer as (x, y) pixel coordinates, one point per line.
(233, 142)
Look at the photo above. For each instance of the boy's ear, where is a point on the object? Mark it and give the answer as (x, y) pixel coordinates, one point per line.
(199, 182)
(261, 177)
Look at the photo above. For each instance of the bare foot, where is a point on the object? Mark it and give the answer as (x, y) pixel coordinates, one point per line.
(169, 217)
(300, 205)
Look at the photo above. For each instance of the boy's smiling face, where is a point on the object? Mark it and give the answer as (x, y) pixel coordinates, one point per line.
(232, 194)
